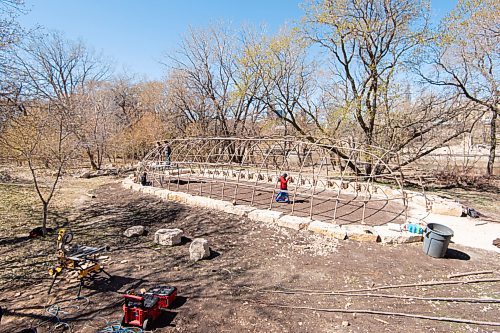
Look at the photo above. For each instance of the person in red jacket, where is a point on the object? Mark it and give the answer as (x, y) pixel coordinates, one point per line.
(283, 193)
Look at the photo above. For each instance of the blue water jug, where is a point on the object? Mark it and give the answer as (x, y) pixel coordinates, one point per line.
(415, 229)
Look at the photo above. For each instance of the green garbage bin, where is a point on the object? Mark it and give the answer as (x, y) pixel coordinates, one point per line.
(436, 240)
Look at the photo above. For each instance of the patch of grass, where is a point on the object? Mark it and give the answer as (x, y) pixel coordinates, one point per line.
(482, 201)
(23, 260)
(20, 210)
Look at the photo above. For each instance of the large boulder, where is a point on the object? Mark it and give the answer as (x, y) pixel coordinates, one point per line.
(168, 237)
(137, 230)
(199, 249)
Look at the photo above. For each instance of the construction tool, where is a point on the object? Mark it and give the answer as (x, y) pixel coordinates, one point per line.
(143, 309)
(79, 258)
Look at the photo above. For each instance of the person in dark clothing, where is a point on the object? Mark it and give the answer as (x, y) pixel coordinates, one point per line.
(168, 151)
(283, 193)
(144, 180)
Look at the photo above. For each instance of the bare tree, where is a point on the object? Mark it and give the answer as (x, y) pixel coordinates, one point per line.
(290, 84)
(41, 138)
(95, 113)
(53, 73)
(126, 98)
(10, 35)
(139, 114)
(465, 58)
(208, 64)
(371, 45)
(368, 41)
(10, 30)
(186, 112)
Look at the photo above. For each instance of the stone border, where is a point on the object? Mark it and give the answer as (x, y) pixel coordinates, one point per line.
(356, 232)
(416, 200)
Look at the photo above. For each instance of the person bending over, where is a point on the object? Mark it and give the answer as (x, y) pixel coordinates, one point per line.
(283, 193)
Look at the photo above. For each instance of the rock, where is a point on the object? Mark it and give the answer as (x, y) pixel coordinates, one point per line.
(264, 215)
(149, 190)
(199, 249)
(389, 236)
(327, 229)
(392, 193)
(293, 222)
(361, 233)
(179, 197)
(137, 230)
(393, 226)
(168, 236)
(418, 199)
(5, 177)
(240, 210)
(447, 208)
(209, 203)
(496, 242)
(345, 323)
(136, 187)
(85, 174)
(162, 194)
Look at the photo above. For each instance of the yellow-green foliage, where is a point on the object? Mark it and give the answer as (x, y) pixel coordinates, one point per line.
(469, 21)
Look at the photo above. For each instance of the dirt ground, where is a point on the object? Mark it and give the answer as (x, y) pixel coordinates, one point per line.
(350, 209)
(229, 291)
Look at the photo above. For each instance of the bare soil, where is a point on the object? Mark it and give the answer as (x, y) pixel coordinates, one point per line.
(226, 292)
(350, 209)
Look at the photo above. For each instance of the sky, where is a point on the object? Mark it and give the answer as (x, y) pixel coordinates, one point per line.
(135, 35)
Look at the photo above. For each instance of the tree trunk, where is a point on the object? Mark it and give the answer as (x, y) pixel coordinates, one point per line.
(493, 143)
(91, 158)
(45, 217)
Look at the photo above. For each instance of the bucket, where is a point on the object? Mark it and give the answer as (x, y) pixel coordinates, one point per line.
(436, 240)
